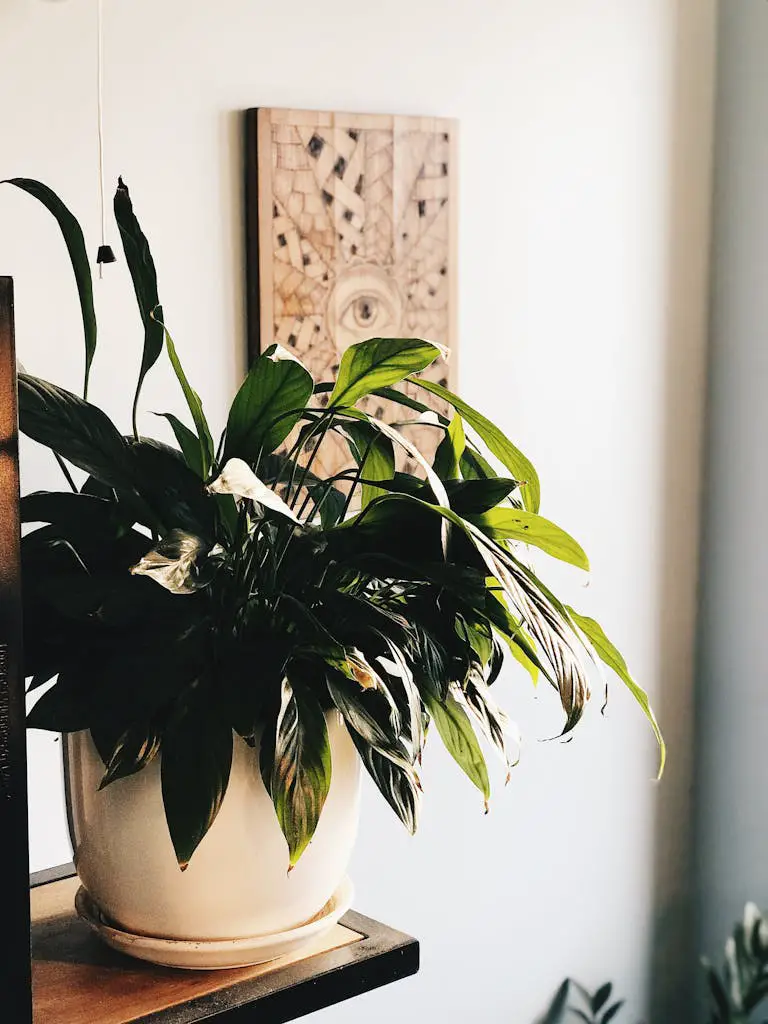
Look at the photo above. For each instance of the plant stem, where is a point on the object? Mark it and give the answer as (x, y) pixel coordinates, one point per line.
(65, 471)
(324, 430)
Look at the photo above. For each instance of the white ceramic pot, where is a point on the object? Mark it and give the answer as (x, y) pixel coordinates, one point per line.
(237, 884)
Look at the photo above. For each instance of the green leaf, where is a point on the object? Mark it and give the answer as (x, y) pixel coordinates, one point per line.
(136, 747)
(450, 450)
(518, 465)
(521, 525)
(144, 277)
(195, 407)
(77, 430)
(331, 502)
(368, 714)
(459, 738)
(397, 783)
(267, 407)
(611, 1012)
(374, 454)
(171, 490)
(473, 497)
(188, 442)
(378, 363)
(195, 768)
(554, 1014)
(615, 661)
(474, 467)
(300, 775)
(601, 997)
(73, 238)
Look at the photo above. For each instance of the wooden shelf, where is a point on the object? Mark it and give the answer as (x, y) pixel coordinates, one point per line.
(77, 980)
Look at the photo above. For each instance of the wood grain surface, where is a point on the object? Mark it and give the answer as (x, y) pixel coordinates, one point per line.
(78, 980)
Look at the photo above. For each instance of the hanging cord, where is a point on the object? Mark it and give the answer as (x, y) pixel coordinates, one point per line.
(105, 254)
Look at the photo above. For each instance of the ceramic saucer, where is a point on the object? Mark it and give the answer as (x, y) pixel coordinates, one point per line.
(218, 954)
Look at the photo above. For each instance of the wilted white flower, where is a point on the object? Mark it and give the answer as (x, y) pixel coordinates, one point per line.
(172, 563)
(237, 478)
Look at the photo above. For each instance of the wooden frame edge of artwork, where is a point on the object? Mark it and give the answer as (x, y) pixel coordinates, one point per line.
(15, 972)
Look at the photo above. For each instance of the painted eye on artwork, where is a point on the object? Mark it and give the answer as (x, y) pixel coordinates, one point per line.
(365, 303)
(367, 312)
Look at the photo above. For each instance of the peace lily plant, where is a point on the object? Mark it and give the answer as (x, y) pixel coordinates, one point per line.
(185, 596)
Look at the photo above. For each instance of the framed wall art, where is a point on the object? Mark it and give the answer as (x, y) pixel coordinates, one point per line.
(352, 234)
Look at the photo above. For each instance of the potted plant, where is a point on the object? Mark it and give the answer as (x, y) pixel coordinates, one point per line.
(232, 635)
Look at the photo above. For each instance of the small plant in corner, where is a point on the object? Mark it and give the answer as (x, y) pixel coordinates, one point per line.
(735, 992)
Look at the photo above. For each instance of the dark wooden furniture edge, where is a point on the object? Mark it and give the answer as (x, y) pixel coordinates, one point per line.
(14, 853)
(382, 956)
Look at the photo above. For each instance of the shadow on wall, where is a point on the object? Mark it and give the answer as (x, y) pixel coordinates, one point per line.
(674, 957)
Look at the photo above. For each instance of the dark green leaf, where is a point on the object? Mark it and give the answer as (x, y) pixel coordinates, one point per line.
(267, 407)
(450, 450)
(554, 1014)
(473, 497)
(331, 502)
(73, 237)
(474, 467)
(80, 432)
(300, 774)
(136, 747)
(601, 997)
(521, 525)
(378, 363)
(195, 407)
(719, 995)
(460, 740)
(174, 493)
(195, 768)
(397, 783)
(142, 270)
(188, 442)
(374, 454)
(518, 465)
(367, 712)
(611, 1012)
(615, 661)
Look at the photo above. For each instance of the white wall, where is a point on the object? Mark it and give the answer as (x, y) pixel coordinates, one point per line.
(733, 646)
(582, 283)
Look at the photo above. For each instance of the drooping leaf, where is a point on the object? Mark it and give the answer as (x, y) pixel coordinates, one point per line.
(136, 747)
(397, 783)
(493, 722)
(519, 466)
(450, 450)
(615, 661)
(459, 738)
(80, 432)
(73, 238)
(195, 406)
(144, 277)
(268, 405)
(195, 768)
(378, 363)
(188, 442)
(368, 713)
(300, 775)
(528, 528)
